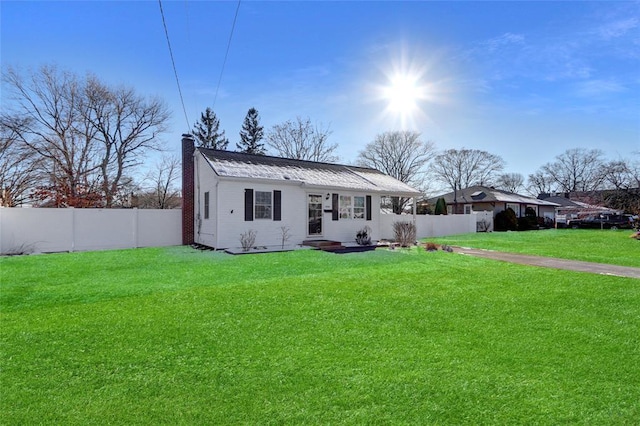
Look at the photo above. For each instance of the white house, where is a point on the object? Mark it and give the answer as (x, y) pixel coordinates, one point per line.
(226, 194)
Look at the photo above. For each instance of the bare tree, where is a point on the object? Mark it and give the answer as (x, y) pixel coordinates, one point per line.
(619, 174)
(49, 108)
(462, 168)
(634, 170)
(86, 134)
(161, 190)
(576, 169)
(538, 183)
(127, 127)
(512, 182)
(400, 154)
(19, 165)
(301, 140)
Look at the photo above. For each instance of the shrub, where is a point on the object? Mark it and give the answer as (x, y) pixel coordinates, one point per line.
(506, 220)
(483, 225)
(528, 221)
(363, 237)
(248, 239)
(405, 233)
(431, 247)
(441, 206)
(285, 235)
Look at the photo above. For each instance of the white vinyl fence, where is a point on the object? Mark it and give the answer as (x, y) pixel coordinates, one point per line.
(42, 230)
(440, 225)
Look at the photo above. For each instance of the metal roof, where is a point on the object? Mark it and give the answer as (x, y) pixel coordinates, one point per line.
(238, 165)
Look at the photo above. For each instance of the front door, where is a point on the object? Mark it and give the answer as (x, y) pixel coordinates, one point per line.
(314, 227)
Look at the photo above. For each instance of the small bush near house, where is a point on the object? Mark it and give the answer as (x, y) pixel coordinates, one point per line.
(506, 220)
(285, 235)
(529, 221)
(524, 224)
(405, 233)
(248, 239)
(363, 237)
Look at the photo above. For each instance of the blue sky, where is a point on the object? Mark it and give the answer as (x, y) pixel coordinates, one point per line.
(523, 80)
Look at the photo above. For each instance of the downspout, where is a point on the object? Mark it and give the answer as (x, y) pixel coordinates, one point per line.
(415, 211)
(198, 217)
(217, 216)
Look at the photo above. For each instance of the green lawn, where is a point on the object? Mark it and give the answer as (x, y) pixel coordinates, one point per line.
(591, 245)
(178, 336)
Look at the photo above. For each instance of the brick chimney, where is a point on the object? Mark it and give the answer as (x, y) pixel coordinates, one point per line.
(188, 192)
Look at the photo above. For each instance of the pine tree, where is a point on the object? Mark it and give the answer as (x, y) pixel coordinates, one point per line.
(206, 131)
(251, 134)
(441, 206)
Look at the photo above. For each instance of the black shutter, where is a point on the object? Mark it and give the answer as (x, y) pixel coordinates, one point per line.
(277, 205)
(334, 206)
(248, 205)
(367, 206)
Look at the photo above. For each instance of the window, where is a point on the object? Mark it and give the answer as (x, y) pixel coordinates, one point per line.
(468, 208)
(345, 207)
(263, 205)
(350, 207)
(358, 207)
(206, 205)
(515, 208)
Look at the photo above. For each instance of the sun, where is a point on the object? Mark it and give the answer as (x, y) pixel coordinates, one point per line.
(403, 93)
(406, 86)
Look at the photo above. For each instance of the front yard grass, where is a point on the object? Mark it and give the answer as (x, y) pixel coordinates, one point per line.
(590, 245)
(178, 336)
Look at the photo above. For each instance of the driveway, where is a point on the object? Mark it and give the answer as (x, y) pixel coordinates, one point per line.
(551, 262)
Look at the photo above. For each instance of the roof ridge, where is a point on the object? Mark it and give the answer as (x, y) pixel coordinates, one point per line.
(273, 157)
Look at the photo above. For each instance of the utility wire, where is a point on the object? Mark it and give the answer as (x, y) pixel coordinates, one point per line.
(173, 62)
(215, 98)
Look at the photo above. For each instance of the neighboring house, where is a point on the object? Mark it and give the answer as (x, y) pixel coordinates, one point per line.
(568, 209)
(483, 198)
(228, 193)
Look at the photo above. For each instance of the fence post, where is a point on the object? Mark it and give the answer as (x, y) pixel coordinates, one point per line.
(73, 228)
(136, 230)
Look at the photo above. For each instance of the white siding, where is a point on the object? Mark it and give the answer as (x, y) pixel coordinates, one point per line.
(230, 211)
(344, 230)
(205, 229)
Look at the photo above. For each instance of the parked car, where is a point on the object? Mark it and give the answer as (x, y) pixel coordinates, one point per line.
(604, 221)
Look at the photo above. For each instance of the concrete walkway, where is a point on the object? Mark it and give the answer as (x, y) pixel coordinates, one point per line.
(551, 262)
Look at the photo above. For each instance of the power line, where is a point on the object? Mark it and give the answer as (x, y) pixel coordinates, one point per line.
(215, 98)
(175, 71)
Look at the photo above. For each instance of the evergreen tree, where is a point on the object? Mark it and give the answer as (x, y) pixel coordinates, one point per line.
(441, 206)
(206, 131)
(251, 134)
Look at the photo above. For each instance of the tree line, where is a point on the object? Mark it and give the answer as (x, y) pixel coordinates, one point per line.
(77, 141)
(70, 141)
